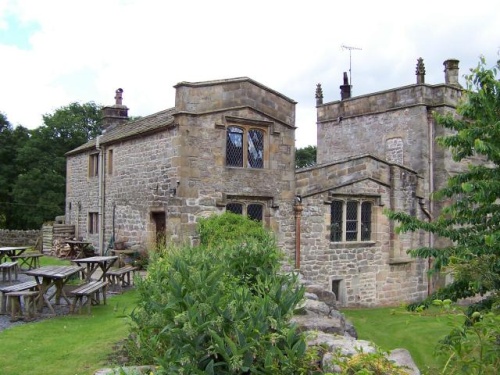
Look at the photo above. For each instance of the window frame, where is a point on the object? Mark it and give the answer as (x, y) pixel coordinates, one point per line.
(93, 170)
(93, 222)
(110, 162)
(245, 207)
(247, 143)
(351, 220)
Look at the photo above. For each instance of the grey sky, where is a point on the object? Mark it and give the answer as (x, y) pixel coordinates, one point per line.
(55, 52)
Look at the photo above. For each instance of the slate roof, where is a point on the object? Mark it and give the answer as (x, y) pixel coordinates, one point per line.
(129, 129)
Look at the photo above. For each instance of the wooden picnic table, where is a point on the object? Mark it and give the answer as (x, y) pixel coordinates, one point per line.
(49, 276)
(12, 251)
(77, 248)
(93, 263)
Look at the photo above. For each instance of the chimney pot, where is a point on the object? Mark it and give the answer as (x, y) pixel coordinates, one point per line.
(451, 71)
(114, 115)
(345, 89)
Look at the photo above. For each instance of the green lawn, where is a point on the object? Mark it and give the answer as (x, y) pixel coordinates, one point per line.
(392, 328)
(80, 344)
(54, 261)
(73, 344)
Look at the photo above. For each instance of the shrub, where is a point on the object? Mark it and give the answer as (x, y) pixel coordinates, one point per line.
(220, 308)
(230, 228)
(367, 364)
(473, 348)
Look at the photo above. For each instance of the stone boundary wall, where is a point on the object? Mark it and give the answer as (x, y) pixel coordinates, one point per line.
(19, 237)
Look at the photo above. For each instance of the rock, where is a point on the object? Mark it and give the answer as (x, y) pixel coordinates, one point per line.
(132, 370)
(402, 357)
(317, 307)
(323, 295)
(329, 331)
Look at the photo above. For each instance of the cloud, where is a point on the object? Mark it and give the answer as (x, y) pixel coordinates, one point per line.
(83, 51)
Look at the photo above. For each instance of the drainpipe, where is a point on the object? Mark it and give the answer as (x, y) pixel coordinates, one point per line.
(430, 215)
(77, 223)
(101, 195)
(297, 208)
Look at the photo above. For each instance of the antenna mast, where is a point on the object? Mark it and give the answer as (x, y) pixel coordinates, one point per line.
(350, 60)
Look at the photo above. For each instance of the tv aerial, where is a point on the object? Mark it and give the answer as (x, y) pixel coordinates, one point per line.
(344, 47)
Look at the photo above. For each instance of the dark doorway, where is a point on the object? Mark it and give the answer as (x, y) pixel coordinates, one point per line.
(160, 229)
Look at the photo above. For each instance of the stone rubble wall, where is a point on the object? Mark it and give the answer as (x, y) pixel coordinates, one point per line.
(19, 237)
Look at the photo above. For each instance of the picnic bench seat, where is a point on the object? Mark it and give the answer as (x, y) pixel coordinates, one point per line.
(120, 277)
(7, 268)
(25, 309)
(28, 285)
(29, 260)
(91, 293)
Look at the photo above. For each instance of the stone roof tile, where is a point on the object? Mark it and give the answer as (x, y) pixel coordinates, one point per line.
(129, 129)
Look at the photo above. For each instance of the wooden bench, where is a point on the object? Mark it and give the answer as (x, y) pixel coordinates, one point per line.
(120, 277)
(29, 260)
(28, 285)
(91, 293)
(25, 309)
(7, 268)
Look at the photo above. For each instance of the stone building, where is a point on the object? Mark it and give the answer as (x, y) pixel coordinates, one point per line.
(230, 145)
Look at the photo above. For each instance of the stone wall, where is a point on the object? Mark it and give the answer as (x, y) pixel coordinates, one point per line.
(367, 273)
(179, 170)
(19, 237)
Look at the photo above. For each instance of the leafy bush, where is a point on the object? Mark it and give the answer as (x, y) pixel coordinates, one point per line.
(473, 348)
(367, 364)
(230, 228)
(220, 308)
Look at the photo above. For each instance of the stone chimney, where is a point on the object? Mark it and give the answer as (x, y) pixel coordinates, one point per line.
(420, 71)
(319, 94)
(114, 115)
(451, 72)
(345, 89)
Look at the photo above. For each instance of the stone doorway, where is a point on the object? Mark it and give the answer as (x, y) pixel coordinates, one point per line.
(160, 221)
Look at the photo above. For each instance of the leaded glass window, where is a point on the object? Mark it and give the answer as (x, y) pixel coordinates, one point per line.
(366, 221)
(255, 149)
(245, 147)
(336, 223)
(254, 212)
(350, 221)
(234, 147)
(235, 208)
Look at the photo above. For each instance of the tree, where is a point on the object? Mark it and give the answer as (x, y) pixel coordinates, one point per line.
(11, 140)
(471, 221)
(305, 157)
(41, 181)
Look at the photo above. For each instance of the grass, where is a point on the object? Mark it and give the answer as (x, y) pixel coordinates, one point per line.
(392, 328)
(73, 344)
(81, 344)
(54, 261)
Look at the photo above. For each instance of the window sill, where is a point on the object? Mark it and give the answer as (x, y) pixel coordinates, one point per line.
(245, 168)
(352, 244)
(396, 261)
